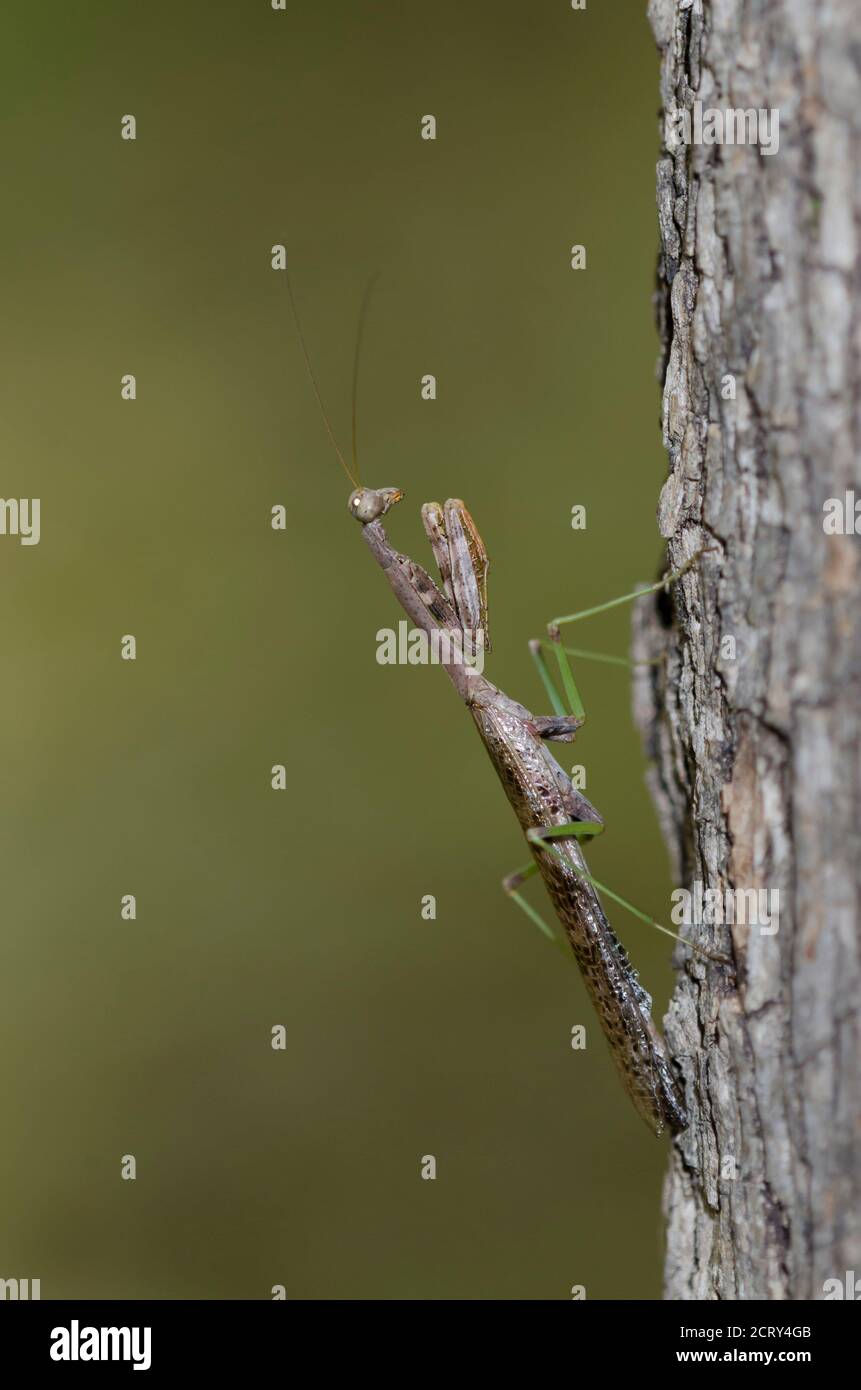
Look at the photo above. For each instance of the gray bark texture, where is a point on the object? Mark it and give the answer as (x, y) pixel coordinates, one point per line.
(756, 752)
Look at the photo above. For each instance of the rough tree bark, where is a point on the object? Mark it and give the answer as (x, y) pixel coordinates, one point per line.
(757, 754)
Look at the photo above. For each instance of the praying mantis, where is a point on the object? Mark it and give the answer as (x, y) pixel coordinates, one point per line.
(555, 817)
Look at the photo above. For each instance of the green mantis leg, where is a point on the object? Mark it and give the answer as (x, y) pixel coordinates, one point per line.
(580, 830)
(569, 685)
(510, 885)
(574, 703)
(663, 583)
(573, 714)
(556, 702)
(583, 830)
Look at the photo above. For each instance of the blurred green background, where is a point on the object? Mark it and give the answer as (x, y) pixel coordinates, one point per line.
(258, 647)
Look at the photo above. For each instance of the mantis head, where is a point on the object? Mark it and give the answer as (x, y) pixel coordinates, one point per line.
(368, 503)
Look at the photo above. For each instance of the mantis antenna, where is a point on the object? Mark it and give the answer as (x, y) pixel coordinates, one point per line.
(331, 433)
(352, 474)
(366, 299)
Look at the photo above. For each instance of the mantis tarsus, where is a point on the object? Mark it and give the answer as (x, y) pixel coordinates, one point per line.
(554, 816)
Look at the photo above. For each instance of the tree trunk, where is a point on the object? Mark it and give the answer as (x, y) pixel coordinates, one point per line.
(752, 719)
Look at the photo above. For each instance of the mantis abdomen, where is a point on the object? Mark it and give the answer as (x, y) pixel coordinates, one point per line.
(543, 797)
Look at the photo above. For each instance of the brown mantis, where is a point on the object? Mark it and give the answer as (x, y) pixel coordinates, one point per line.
(555, 817)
